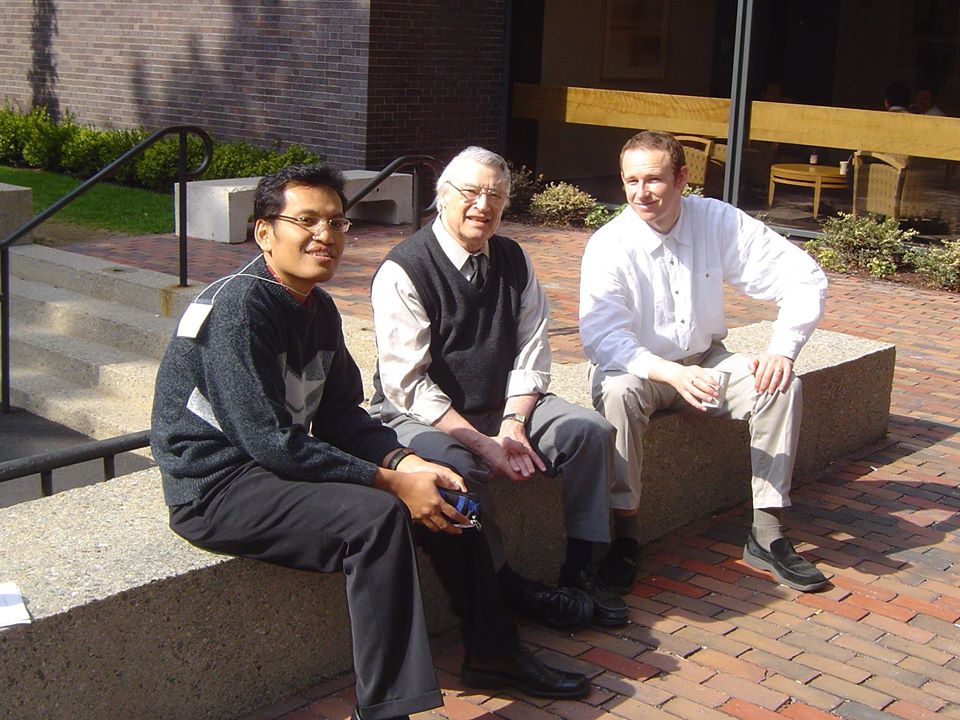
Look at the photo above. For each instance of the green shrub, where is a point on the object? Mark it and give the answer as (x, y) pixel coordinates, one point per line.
(524, 184)
(293, 155)
(156, 168)
(562, 203)
(601, 214)
(939, 265)
(113, 144)
(866, 243)
(44, 138)
(36, 140)
(692, 190)
(12, 134)
(236, 159)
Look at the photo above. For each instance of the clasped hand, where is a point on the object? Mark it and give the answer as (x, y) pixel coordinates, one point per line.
(415, 482)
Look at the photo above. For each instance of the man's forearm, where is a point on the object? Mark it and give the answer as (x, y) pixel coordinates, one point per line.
(457, 426)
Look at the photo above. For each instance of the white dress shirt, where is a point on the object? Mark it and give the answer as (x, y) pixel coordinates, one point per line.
(403, 336)
(646, 296)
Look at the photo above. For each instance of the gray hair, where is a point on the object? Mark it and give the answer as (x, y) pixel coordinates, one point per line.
(485, 157)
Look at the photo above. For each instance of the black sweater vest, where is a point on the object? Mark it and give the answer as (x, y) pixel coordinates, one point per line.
(473, 331)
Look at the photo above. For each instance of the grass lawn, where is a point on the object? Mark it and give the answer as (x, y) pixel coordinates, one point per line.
(105, 205)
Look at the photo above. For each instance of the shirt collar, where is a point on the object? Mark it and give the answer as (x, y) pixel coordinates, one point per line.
(451, 248)
(650, 239)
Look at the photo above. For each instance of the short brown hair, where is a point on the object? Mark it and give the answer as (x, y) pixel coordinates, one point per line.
(656, 140)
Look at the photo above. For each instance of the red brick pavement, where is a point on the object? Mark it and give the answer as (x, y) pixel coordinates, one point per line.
(711, 638)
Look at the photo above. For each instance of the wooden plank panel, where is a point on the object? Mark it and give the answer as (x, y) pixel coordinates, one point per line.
(845, 128)
(620, 108)
(810, 125)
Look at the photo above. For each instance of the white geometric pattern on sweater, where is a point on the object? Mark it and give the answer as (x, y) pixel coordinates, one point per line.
(201, 407)
(305, 390)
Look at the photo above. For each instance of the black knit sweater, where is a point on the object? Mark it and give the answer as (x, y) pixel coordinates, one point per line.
(269, 380)
(473, 331)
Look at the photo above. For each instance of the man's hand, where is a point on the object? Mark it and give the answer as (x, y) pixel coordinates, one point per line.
(519, 456)
(771, 373)
(415, 482)
(445, 476)
(692, 382)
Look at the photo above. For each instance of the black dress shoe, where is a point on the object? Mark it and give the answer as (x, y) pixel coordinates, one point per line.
(790, 568)
(560, 608)
(609, 609)
(618, 569)
(523, 671)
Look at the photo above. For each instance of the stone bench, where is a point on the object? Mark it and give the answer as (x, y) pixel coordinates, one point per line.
(220, 209)
(16, 209)
(131, 621)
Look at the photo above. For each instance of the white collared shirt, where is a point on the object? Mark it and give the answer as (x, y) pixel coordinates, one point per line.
(402, 329)
(646, 296)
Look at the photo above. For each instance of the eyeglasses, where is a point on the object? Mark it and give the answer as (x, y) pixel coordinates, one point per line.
(471, 194)
(315, 224)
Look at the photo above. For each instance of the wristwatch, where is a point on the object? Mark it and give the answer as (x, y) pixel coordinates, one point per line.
(522, 419)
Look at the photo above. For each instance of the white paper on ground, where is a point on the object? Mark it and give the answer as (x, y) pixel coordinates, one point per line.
(12, 609)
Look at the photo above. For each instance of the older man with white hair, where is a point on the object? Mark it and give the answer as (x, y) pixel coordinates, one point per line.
(463, 369)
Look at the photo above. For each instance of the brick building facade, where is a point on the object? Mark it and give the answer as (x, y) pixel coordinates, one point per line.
(359, 82)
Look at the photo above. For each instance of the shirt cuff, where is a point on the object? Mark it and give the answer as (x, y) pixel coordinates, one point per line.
(787, 345)
(429, 409)
(641, 364)
(525, 382)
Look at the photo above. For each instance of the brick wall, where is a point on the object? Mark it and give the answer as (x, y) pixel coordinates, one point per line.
(358, 81)
(436, 77)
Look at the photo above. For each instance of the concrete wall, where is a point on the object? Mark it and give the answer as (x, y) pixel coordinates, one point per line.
(358, 81)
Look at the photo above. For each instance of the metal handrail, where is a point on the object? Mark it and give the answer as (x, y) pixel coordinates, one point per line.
(183, 175)
(45, 463)
(418, 163)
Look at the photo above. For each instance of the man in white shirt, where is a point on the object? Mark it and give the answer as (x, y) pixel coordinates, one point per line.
(463, 367)
(652, 324)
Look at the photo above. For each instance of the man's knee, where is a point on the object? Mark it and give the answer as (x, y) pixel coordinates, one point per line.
(619, 394)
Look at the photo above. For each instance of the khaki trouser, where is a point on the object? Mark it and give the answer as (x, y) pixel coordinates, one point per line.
(628, 401)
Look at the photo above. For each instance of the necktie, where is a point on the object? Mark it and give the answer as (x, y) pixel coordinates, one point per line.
(476, 269)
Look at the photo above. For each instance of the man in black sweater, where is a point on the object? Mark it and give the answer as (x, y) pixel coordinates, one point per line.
(462, 375)
(266, 453)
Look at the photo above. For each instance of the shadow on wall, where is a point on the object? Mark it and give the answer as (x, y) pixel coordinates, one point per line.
(194, 88)
(43, 68)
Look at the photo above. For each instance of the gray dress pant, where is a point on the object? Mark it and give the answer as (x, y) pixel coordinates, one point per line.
(573, 441)
(628, 401)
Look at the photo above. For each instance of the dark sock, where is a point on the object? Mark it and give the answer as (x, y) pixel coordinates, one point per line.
(578, 556)
(626, 526)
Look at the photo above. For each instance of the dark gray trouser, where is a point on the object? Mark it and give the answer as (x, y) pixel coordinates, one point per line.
(366, 534)
(573, 441)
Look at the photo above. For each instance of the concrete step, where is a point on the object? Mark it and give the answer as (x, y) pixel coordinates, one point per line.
(83, 362)
(122, 284)
(86, 338)
(71, 313)
(87, 410)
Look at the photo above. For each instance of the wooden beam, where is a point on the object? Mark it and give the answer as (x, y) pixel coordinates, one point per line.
(809, 125)
(620, 108)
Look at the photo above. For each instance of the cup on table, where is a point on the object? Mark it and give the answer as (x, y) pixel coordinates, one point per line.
(844, 166)
(722, 379)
